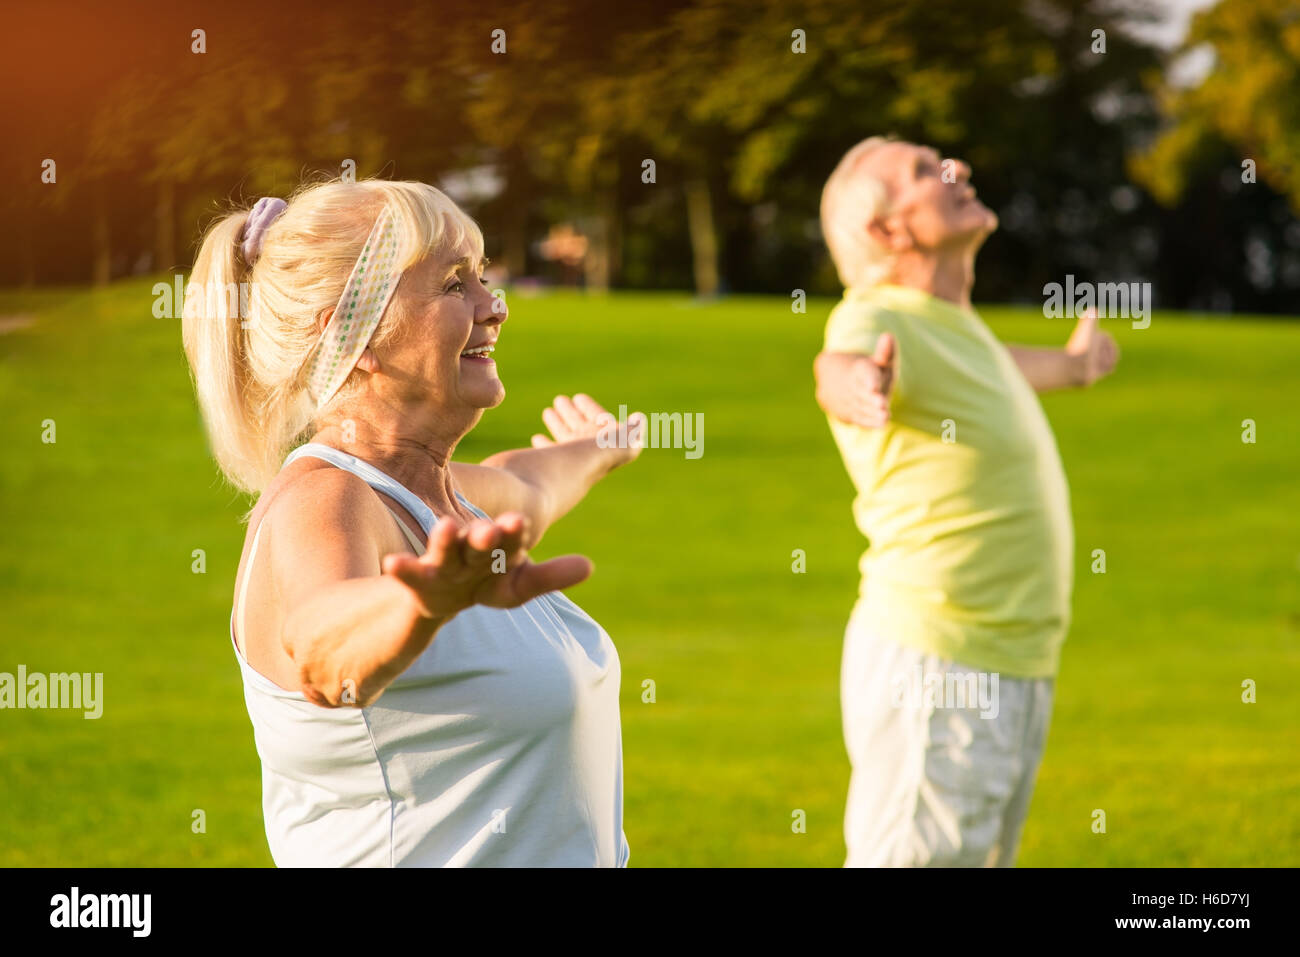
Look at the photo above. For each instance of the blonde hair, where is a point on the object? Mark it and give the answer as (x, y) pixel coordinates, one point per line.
(849, 200)
(250, 371)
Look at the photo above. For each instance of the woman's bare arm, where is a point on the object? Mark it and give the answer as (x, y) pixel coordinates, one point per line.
(354, 619)
(545, 482)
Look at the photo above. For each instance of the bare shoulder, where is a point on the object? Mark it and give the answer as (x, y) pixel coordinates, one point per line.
(311, 486)
(315, 524)
(325, 524)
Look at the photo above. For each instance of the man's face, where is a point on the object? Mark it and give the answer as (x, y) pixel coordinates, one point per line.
(932, 205)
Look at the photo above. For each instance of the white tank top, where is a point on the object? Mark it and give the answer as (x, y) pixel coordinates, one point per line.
(500, 745)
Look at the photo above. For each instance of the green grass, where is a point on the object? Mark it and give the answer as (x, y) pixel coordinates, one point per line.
(693, 580)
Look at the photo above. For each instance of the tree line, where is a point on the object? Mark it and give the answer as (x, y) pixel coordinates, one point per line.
(687, 140)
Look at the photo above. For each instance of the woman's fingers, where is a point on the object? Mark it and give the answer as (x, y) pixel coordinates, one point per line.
(630, 435)
(409, 570)
(460, 567)
(397, 564)
(579, 417)
(589, 407)
(513, 527)
(569, 413)
(443, 541)
(540, 441)
(559, 428)
(636, 430)
(531, 580)
(478, 544)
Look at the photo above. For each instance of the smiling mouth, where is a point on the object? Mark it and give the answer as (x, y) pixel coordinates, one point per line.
(479, 353)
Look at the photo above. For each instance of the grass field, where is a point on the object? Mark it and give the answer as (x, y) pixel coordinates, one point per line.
(693, 581)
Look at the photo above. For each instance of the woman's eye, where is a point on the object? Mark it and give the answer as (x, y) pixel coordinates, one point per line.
(482, 280)
(457, 286)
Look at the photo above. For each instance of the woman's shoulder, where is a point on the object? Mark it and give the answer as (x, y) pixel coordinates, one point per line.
(312, 501)
(306, 483)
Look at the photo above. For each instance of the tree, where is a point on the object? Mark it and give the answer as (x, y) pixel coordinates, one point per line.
(1249, 100)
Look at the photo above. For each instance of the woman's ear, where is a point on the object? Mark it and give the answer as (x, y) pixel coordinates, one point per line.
(323, 320)
(368, 362)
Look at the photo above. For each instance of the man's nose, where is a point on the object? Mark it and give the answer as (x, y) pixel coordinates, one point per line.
(962, 169)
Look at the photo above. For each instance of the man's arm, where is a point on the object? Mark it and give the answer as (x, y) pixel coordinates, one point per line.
(855, 387)
(545, 482)
(1088, 356)
(1049, 369)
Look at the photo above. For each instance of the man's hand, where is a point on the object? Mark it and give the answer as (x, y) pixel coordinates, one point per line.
(1093, 352)
(856, 388)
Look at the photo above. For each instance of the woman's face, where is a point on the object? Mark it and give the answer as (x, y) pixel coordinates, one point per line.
(448, 312)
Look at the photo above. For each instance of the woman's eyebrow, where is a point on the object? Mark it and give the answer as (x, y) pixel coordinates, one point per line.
(465, 261)
(454, 267)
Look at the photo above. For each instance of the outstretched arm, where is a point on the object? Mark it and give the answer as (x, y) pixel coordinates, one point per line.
(1088, 356)
(354, 617)
(545, 482)
(854, 387)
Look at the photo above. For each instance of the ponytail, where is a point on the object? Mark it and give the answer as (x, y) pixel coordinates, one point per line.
(213, 333)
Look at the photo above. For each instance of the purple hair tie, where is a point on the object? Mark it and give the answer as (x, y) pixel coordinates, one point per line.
(263, 214)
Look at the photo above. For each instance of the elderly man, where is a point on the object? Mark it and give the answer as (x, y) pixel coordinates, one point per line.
(952, 649)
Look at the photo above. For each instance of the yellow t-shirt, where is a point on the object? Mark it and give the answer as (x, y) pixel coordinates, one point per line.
(962, 496)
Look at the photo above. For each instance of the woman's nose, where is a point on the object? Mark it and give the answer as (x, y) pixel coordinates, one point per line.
(493, 309)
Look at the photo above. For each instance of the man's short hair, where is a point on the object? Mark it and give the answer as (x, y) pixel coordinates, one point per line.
(850, 200)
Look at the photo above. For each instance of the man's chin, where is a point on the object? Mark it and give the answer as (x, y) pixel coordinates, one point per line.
(986, 228)
(974, 227)
(986, 221)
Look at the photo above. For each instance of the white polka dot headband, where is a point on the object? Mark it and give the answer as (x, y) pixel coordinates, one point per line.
(365, 296)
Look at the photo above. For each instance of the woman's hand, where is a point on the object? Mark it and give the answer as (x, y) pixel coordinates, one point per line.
(582, 417)
(483, 563)
(350, 642)
(546, 481)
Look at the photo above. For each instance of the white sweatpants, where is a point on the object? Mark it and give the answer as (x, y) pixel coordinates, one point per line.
(940, 778)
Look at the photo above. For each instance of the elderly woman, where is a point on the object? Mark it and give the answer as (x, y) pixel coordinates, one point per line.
(420, 692)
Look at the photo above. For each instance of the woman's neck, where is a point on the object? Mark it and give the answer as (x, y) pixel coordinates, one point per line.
(420, 460)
